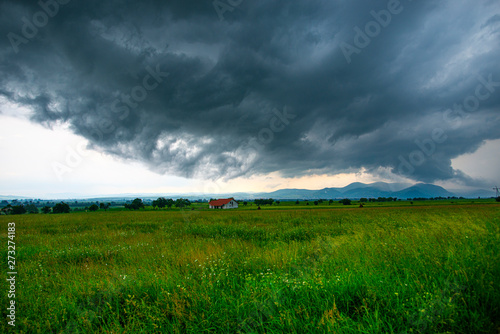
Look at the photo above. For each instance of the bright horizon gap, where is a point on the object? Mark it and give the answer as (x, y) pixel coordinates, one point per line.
(106, 175)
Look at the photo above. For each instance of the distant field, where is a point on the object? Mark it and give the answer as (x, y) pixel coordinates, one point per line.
(291, 205)
(355, 204)
(395, 267)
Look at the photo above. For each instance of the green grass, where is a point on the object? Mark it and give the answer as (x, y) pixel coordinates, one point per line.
(420, 269)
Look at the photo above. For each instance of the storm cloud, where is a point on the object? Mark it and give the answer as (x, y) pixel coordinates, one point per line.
(235, 88)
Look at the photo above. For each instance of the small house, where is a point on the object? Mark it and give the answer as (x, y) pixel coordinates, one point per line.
(224, 203)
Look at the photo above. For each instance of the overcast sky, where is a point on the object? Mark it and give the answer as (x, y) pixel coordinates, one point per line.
(106, 97)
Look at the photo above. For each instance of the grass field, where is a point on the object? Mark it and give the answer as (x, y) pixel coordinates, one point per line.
(401, 269)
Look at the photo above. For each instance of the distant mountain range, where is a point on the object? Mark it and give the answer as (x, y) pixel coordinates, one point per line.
(11, 197)
(354, 190)
(358, 190)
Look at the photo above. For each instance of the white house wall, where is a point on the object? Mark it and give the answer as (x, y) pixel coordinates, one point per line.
(230, 205)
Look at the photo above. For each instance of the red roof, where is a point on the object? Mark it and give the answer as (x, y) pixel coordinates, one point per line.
(220, 202)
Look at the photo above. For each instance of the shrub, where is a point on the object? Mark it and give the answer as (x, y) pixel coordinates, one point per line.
(18, 209)
(61, 208)
(31, 208)
(135, 205)
(345, 201)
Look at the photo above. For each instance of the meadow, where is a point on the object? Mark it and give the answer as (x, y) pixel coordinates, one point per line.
(378, 269)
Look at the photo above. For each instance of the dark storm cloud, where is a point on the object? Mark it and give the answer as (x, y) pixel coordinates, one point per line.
(192, 92)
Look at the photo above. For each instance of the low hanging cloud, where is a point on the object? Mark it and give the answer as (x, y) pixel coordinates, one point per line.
(196, 88)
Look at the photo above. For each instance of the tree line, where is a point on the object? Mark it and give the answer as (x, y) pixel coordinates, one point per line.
(162, 202)
(63, 207)
(260, 202)
(159, 203)
(31, 208)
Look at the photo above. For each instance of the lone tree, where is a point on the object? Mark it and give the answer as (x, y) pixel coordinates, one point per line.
(182, 202)
(61, 208)
(330, 202)
(18, 209)
(345, 201)
(7, 209)
(93, 207)
(160, 202)
(170, 203)
(46, 209)
(497, 199)
(135, 205)
(105, 206)
(31, 208)
(260, 202)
